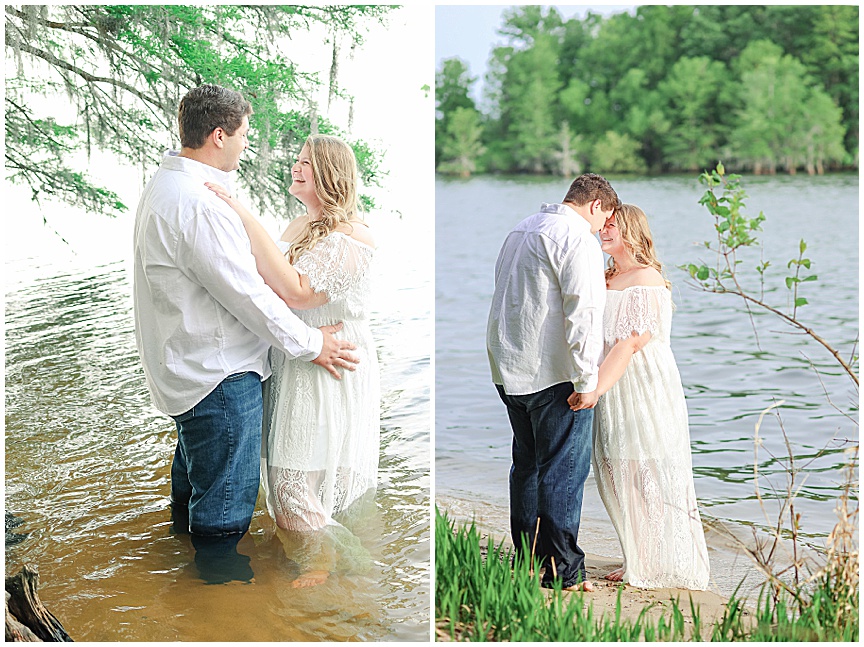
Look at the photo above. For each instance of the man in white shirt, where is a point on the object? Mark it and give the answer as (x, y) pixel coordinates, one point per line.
(205, 320)
(545, 338)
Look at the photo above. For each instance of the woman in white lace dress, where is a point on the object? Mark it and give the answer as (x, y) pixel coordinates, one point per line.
(641, 455)
(321, 435)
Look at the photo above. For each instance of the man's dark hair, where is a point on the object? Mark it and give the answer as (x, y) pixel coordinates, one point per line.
(206, 108)
(589, 187)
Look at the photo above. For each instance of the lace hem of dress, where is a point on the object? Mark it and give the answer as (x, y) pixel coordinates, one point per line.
(670, 550)
(298, 496)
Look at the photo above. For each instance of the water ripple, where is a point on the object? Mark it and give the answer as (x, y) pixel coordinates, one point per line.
(729, 378)
(87, 469)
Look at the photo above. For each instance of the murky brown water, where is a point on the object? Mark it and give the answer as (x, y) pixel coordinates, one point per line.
(87, 471)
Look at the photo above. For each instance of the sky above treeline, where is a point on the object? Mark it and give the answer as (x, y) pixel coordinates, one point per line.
(470, 31)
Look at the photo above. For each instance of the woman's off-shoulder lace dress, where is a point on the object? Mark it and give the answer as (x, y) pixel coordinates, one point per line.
(321, 435)
(641, 454)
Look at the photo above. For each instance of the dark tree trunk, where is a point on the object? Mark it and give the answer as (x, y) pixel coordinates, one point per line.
(15, 631)
(27, 619)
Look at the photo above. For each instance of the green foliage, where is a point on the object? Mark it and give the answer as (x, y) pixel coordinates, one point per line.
(765, 88)
(530, 74)
(721, 32)
(461, 146)
(793, 280)
(824, 607)
(734, 230)
(525, 24)
(694, 98)
(616, 153)
(735, 233)
(452, 88)
(570, 152)
(124, 69)
(826, 613)
(41, 160)
(785, 119)
(481, 598)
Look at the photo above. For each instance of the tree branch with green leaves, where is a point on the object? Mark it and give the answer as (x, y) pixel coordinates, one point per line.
(798, 577)
(724, 198)
(124, 68)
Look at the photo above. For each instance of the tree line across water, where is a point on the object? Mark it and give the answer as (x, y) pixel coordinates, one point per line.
(658, 89)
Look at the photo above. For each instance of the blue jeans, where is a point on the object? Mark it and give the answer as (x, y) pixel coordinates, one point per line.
(215, 473)
(551, 459)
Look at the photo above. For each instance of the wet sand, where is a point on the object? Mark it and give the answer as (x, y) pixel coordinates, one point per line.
(729, 567)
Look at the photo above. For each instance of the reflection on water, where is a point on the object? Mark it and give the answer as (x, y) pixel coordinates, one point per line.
(87, 472)
(728, 377)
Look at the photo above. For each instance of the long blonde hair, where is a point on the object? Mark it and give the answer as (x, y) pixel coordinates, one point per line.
(334, 171)
(632, 224)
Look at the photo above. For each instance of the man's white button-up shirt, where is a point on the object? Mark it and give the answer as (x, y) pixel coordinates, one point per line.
(546, 322)
(202, 311)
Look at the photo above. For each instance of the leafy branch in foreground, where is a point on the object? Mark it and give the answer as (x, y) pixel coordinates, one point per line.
(113, 75)
(818, 596)
(736, 232)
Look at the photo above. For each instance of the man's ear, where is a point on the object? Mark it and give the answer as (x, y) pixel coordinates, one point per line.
(217, 136)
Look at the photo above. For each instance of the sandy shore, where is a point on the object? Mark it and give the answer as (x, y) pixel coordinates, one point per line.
(729, 568)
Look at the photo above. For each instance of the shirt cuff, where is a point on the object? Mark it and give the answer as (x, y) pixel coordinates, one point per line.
(585, 386)
(316, 345)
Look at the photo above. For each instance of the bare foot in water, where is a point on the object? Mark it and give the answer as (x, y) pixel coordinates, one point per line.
(310, 578)
(586, 586)
(615, 576)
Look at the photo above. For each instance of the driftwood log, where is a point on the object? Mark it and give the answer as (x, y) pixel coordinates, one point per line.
(27, 619)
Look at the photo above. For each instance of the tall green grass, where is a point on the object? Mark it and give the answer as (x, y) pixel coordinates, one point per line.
(481, 598)
(486, 599)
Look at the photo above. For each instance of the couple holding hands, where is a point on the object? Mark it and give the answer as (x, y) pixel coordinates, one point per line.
(581, 359)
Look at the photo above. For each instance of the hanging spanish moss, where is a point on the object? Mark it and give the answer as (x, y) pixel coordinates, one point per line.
(116, 74)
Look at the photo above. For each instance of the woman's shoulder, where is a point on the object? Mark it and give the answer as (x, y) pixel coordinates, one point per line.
(294, 227)
(646, 277)
(358, 231)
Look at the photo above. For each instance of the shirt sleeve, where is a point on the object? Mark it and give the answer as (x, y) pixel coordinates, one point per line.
(583, 292)
(215, 250)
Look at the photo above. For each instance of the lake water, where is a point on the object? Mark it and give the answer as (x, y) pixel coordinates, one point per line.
(88, 458)
(728, 380)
